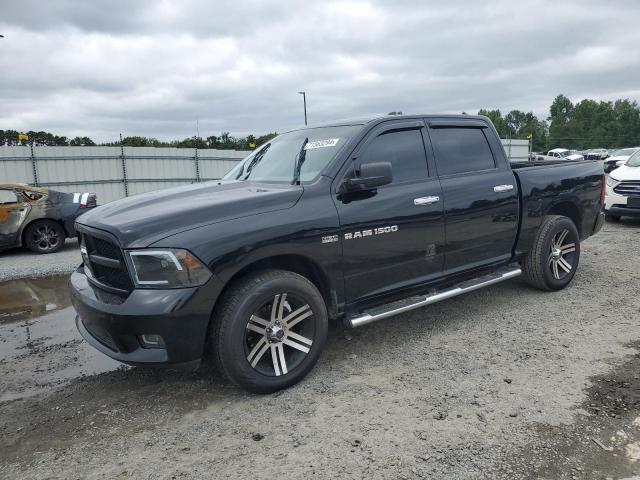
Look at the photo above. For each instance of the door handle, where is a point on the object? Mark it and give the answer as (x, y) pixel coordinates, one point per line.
(502, 188)
(426, 200)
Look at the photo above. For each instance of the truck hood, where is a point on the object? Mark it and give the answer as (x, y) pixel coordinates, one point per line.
(141, 220)
(625, 173)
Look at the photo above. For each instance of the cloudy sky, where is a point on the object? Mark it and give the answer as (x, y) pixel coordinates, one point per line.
(153, 67)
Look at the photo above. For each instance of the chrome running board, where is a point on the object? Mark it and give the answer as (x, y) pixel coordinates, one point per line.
(401, 306)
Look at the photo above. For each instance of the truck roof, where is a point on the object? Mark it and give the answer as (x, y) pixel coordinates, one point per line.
(379, 118)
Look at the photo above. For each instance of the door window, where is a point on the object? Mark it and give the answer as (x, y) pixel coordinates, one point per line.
(7, 196)
(404, 149)
(461, 150)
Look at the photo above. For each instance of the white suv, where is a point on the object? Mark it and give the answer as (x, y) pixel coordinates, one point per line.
(623, 190)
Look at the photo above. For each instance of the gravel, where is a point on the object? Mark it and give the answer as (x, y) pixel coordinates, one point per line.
(22, 263)
(498, 383)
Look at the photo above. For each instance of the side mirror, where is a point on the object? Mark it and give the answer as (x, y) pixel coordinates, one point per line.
(371, 175)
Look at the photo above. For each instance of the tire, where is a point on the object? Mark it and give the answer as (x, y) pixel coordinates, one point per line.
(555, 250)
(44, 236)
(257, 339)
(612, 218)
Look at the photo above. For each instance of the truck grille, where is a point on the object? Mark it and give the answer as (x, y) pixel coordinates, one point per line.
(628, 188)
(106, 263)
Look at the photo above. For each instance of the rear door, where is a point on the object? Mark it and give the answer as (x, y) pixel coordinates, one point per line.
(393, 236)
(480, 194)
(13, 212)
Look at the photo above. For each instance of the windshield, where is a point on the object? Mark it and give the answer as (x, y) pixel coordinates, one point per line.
(634, 160)
(564, 153)
(624, 152)
(294, 157)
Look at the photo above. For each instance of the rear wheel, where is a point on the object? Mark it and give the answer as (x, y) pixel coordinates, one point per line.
(553, 260)
(44, 236)
(612, 218)
(269, 330)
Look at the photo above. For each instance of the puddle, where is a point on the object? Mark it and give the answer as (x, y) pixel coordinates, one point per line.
(40, 347)
(31, 297)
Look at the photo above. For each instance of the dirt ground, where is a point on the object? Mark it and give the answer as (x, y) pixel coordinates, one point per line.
(505, 382)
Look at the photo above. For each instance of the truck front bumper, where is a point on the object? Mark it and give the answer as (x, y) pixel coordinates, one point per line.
(117, 326)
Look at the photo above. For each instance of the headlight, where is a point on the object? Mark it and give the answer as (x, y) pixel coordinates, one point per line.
(166, 268)
(612, 182)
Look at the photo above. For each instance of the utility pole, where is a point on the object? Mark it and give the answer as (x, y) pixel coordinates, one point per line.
(304, 100)
(195, 156)
(123, 161)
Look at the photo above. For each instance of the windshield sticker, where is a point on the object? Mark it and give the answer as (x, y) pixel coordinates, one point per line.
(330, 142)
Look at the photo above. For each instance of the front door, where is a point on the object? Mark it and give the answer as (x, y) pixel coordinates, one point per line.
(12, 214)
(480, 195)
(393, 236)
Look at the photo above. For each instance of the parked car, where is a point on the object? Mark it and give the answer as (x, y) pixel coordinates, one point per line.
(596, 154)
(560, 154)
(356, 221)
(618, 158)
(623, 190)
(39, 218)
(575, 155)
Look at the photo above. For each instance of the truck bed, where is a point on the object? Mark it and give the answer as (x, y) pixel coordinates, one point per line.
(557, 187)
(546, 163)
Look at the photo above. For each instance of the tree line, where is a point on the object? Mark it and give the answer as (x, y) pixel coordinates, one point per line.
(223, 142)
(11, 138)
(586, 124)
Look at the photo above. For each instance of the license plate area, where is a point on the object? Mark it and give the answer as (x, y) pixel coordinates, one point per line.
(633, 202)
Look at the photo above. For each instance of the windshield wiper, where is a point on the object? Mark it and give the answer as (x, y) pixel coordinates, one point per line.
(255, 160)
(300, 158)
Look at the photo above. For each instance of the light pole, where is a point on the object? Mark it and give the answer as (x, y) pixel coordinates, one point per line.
(304, 99)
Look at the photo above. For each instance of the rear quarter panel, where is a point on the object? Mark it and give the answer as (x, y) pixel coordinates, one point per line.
(57, 206)
(545, 187)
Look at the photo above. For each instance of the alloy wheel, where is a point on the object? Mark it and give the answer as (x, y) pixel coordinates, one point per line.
(45, 237)
(562, 253)
(279, 335)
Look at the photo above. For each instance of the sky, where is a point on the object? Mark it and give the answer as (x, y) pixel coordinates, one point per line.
(159, 68)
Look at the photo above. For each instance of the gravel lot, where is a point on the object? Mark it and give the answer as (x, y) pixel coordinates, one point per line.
(505, 382)
(22, 263)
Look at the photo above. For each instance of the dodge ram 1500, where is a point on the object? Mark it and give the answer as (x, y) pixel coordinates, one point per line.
(357, 221)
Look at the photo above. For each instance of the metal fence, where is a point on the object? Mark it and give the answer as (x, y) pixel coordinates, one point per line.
(516, 149)
(116, 172)
(113, 172)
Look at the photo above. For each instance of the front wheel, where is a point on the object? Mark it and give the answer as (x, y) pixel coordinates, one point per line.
(269, 330)
(553, 259)
(612, 218)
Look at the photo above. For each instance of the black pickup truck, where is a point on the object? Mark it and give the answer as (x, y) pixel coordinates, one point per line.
(355, 220)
